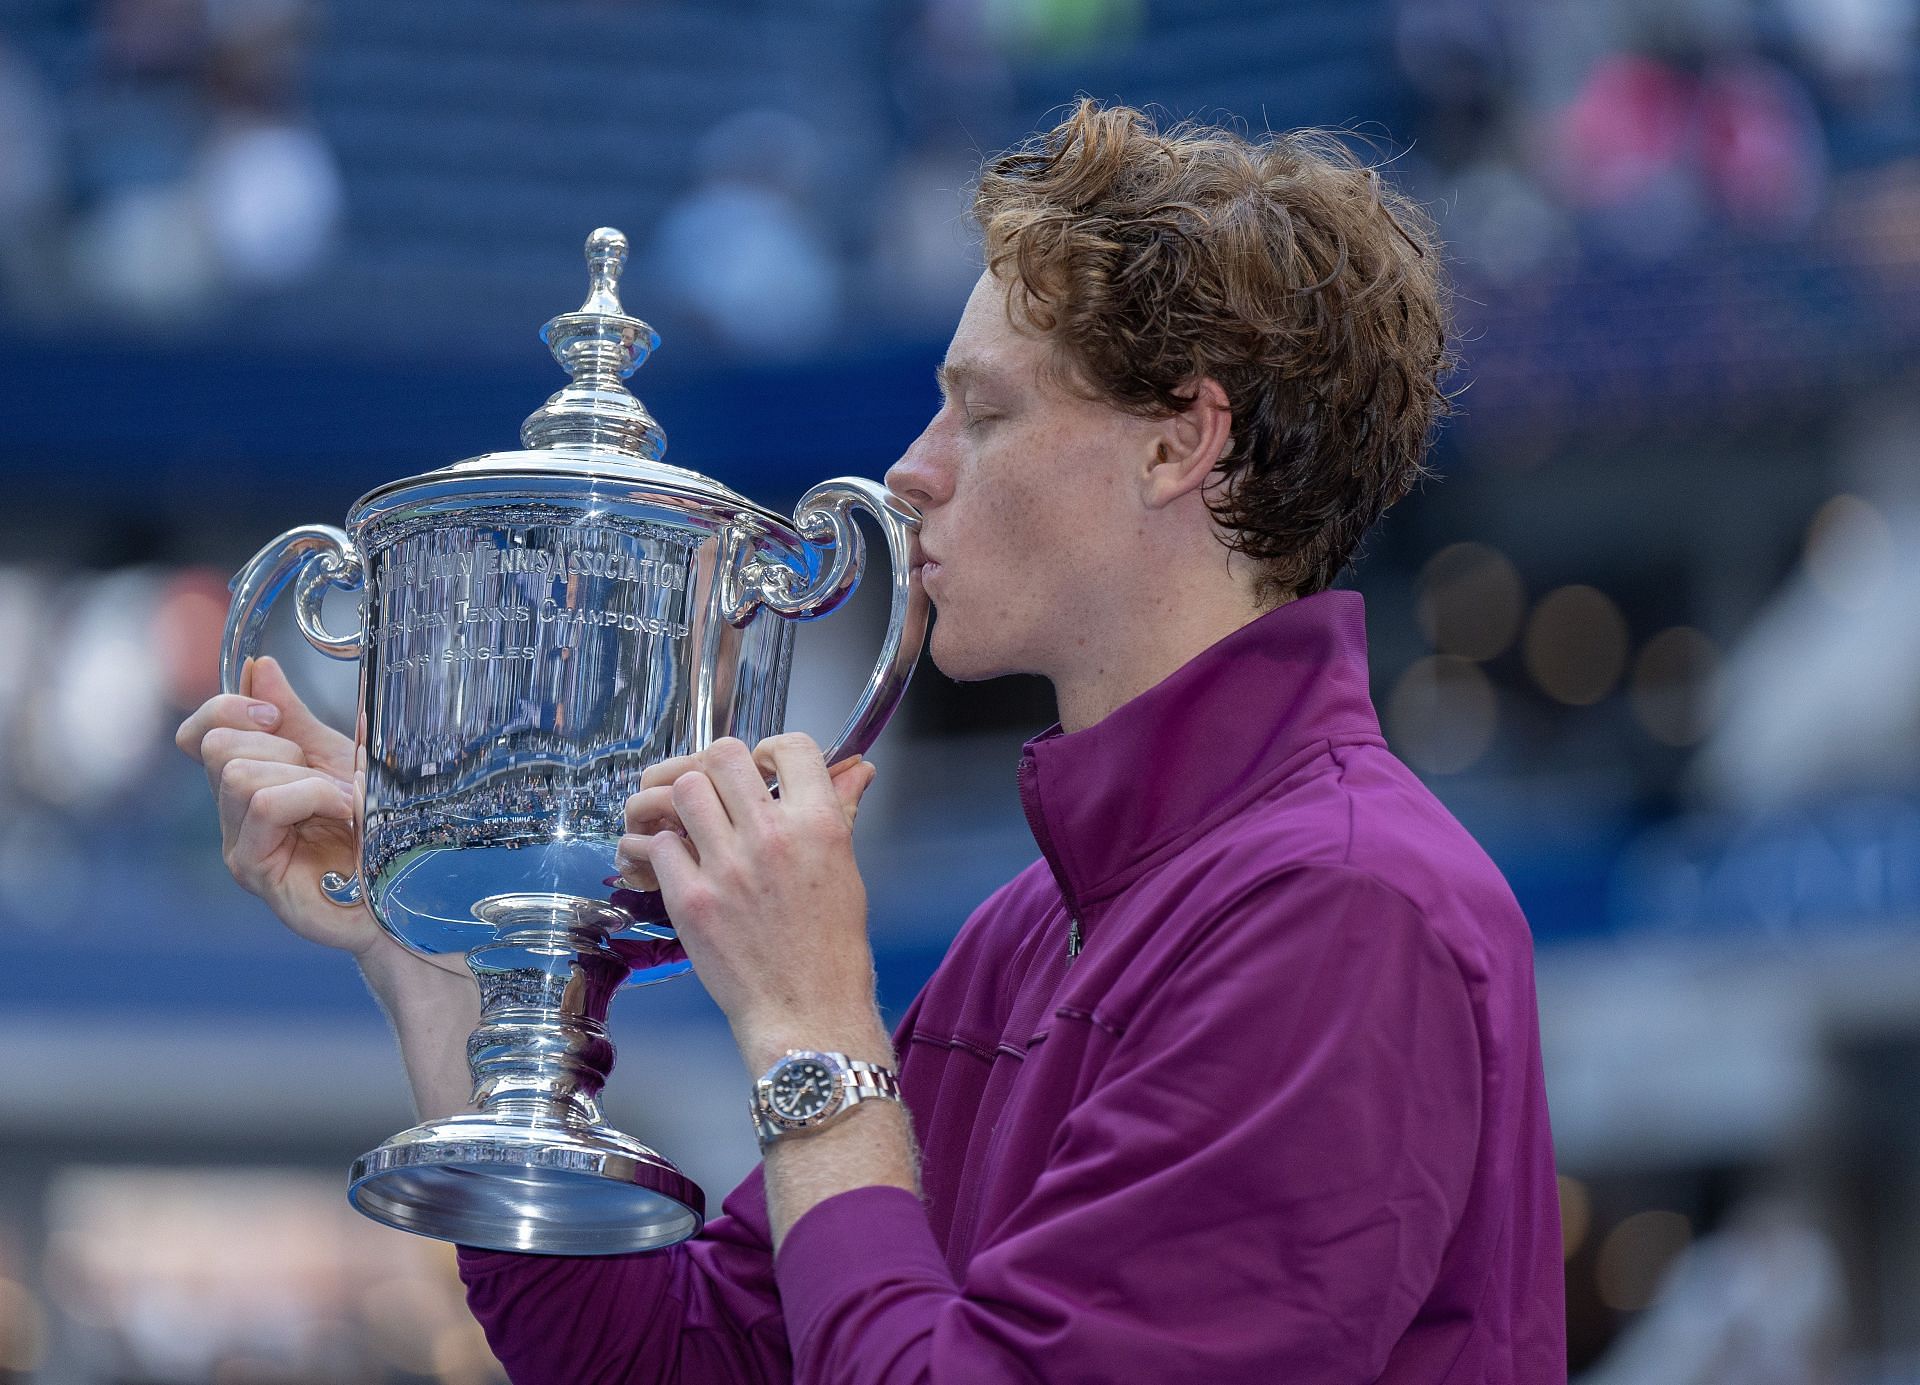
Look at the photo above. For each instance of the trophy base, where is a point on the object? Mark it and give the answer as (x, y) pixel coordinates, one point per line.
(541, 1186)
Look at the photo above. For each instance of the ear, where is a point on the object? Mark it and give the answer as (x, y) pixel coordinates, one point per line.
(1188, 446)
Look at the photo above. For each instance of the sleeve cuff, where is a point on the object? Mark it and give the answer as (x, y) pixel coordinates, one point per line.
(846, 1247)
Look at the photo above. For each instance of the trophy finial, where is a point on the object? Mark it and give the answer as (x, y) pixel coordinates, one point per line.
(606, 257)
(600, 344)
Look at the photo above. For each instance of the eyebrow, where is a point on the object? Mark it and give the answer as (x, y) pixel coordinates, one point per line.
(953, 376)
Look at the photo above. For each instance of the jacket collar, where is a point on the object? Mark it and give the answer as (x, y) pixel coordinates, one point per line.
(1159, 771)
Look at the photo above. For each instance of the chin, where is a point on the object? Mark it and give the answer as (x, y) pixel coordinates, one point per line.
(962, 659)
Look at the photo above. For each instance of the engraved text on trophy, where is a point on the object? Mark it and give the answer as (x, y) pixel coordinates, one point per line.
(523, 674)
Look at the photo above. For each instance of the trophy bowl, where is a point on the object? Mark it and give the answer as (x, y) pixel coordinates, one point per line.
(536, 628)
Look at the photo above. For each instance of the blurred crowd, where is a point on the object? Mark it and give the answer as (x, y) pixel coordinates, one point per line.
(166, 160)
(175, 171)
(1638, 129)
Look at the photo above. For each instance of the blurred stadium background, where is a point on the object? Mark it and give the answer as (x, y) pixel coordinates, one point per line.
(1651, 634)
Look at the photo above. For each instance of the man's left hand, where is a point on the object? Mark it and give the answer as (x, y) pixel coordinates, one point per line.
(763, 891)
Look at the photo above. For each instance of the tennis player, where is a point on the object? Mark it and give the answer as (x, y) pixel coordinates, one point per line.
(1240, 1080)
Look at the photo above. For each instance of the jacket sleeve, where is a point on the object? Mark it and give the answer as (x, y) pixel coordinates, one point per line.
(703, 1311)
(1257, 1185)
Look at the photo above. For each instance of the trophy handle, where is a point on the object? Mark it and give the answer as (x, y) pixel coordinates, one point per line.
(320, 556)
(825, 516)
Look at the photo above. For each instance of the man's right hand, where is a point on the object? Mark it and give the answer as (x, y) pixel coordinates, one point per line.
(284, 783)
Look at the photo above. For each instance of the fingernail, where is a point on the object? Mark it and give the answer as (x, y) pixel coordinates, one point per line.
(264, 713)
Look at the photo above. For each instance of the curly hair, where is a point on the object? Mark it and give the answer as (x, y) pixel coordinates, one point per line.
(1281, 267)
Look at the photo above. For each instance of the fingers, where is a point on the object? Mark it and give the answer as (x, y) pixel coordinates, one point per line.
(699, 798)
(850, 785)
(726, 762)
(224, 744)
(674, 866)
(232, 710)
(243, 781)
(651, 810)
(701, 812)
(763, 755)
(648, 812)
(631, 864)
(269, 704)
(736, 779)
(796, 759)
(272, 812)
(666, 771)
(268, 683)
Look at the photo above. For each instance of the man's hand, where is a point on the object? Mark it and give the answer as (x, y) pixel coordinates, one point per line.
(285, 785)
(769, 905)
(763, 891)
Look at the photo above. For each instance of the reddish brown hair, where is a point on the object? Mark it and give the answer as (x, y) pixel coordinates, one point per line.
(1281, 267)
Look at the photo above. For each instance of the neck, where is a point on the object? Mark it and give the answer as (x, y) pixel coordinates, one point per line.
(1145, 642)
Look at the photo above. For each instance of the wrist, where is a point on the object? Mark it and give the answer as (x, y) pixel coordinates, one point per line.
(861, 1037)
(397, 976)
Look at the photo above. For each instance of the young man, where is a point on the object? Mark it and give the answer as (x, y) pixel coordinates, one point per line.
(1239, 1082)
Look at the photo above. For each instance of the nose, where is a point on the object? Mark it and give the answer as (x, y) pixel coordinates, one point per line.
(921, 477)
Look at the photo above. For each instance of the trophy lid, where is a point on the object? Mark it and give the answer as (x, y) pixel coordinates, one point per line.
(593, 429)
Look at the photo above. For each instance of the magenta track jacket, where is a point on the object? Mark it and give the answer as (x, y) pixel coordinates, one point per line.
(1281, 1122)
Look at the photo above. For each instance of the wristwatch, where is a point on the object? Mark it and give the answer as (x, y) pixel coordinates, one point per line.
(806, 1090)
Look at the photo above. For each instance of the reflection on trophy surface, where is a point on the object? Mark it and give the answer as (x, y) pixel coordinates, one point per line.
(537, 627)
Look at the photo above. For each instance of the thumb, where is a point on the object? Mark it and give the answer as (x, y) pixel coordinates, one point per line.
(297, 722)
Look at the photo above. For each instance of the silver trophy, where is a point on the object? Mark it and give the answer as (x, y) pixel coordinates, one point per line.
(536, 628)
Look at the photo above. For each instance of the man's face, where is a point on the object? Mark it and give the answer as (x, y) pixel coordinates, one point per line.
(1027, 511)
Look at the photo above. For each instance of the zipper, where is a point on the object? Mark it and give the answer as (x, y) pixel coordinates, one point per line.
(1029, 802)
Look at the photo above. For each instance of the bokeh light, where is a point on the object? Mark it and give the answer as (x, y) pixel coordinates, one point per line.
(1576, 1215)
(405, 1318)
(1635, 1256)
(1849, 552)
(23, 1329)
(1576, 645)
(1672, 692)
(1469, 601)
(188, 621)
(251, 1275)
(461, 1355)
(1442, 714)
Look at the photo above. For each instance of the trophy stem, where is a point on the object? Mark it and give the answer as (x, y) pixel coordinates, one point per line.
(534, 1167)
(542, 1048)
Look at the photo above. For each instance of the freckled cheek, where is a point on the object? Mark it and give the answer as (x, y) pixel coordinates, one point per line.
(1019, 545)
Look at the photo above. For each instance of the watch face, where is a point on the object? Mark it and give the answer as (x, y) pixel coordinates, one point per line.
(803, 1089)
